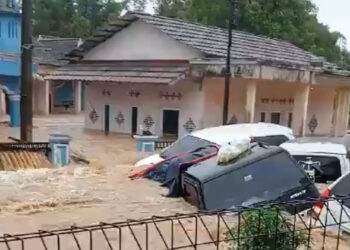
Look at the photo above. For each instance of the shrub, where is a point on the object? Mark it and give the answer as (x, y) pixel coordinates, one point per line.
(265, 230)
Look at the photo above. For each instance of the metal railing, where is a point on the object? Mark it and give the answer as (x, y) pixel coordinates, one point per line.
(30, 146)
(264, 227)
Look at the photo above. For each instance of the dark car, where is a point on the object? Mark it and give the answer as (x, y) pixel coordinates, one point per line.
(266, 174)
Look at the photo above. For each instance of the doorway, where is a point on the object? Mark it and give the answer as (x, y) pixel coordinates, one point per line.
(106, 119)
(7, 103)
(134, 112)
(170, 123)
(50, 103)
(276, 118)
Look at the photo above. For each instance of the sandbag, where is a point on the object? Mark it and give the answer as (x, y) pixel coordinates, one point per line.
(232, 150)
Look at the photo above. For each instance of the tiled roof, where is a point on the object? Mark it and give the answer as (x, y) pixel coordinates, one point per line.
(213, 41)
(208, 39)
(122, 71)
(51, 51)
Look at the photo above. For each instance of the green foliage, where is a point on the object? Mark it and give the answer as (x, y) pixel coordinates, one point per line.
(291, 20)
(265, 229)
(68, 18)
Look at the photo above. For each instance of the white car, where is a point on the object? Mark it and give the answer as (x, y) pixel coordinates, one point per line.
(323, 162)
(271, 134)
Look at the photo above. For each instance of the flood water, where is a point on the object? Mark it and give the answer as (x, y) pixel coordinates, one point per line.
(79, 194)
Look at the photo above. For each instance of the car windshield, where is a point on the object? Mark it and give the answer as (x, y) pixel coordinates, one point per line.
(321, 169)
(185, 144)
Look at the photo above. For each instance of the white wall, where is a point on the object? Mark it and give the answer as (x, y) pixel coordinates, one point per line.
(276, 91)
(148, 103)
(214, 99)
(320, 102)
(141, 41)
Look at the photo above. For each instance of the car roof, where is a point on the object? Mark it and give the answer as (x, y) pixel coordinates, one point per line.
(209, 169)
(314, 147)
(224, 134)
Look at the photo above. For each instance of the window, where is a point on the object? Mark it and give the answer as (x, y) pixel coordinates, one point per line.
(10, 3)
(276, 117)
(262, 117)
(16, 30)
(12, 30)
(191, 193)
(322, 169)
(273, 140)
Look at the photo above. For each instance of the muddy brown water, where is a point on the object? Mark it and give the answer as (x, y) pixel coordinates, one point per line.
(81, 195)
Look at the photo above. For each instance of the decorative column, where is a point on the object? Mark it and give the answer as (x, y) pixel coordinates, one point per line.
(14, 103)
(250, 102)
(341, 115)
(46, 98)
(301, 103)
(2, 103)
(77, 96)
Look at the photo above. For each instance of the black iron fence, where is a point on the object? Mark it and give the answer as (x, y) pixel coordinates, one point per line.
(265, 227)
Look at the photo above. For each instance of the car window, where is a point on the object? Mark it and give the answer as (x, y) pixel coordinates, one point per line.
(321, 169)
(267, 179)
(185, 144)
(342, 188)
(190, 193)
(273, 140)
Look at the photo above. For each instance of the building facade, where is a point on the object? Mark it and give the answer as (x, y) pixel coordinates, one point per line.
(49, 55)
(10, 41)
(167, 76)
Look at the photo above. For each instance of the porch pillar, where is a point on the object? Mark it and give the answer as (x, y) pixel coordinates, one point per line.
(250, 102)
(341, 115)
(46, 98)
(2, 103)
(77, 97)
(301, 103)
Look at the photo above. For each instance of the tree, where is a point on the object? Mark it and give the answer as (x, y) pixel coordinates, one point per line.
(69, 18)
(291, 20)
(135, 5)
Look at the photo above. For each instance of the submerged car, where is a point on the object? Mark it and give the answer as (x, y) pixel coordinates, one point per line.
(267, 133)
(266, 174)
(337, 210)
(323, 162)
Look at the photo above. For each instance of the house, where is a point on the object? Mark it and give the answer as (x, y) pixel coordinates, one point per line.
(167, 76)
(10, 41)
(49, 53)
